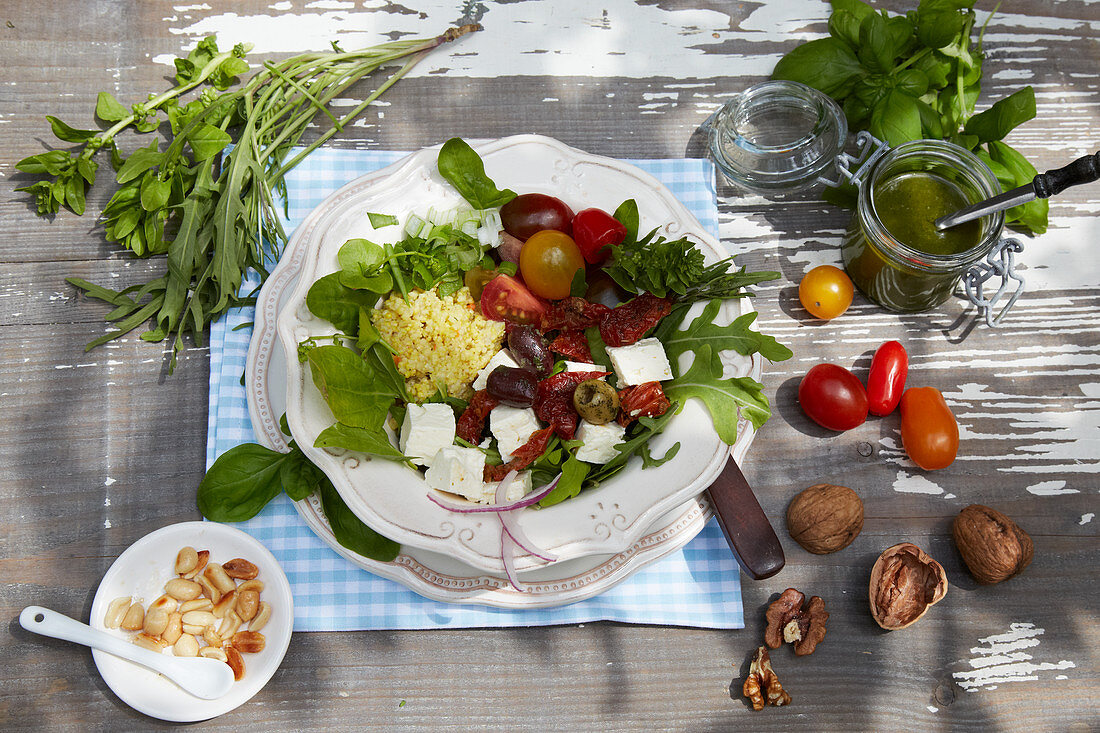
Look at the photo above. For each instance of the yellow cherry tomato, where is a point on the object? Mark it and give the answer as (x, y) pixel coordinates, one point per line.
(825, 291)
(548, 261)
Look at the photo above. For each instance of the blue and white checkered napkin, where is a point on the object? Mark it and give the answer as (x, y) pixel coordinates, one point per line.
(698, 585)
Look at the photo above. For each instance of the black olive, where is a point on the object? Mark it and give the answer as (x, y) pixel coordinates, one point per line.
(513, 387)
(529, 349)
(596, 401)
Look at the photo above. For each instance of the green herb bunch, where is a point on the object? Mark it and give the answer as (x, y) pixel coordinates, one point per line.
(210, 210)
(916, 76)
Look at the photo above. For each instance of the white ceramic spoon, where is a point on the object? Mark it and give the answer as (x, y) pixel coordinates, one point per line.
(202, 677)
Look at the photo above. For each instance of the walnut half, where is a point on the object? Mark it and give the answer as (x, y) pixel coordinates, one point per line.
(762, 685)
(790, 622)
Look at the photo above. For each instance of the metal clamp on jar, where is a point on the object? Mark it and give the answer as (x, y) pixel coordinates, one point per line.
(782, 136)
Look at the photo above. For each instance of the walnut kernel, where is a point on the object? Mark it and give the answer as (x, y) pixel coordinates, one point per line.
(790, 622)
(762, 685)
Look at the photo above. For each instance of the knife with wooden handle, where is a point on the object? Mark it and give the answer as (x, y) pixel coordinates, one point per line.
(746, 527)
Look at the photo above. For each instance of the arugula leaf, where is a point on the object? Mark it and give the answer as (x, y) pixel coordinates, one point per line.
(462, 166)
(736, 336)
(573, 473)
(350, 530)
(240, 483)
(725, 399)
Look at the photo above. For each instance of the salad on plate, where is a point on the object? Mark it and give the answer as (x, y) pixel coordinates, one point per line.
(518, 353)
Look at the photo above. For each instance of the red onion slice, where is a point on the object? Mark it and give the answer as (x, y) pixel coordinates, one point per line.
(531, 498)
(508, 555)
(511, 526)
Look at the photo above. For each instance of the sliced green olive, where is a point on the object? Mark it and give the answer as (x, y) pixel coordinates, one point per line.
(596, 401)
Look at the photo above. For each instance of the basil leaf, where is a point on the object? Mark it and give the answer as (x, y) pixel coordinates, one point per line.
(350, 530)
(1032, 215)
(627, 215)
(462, 166)
(896, 118)
(1005, 114)
(825, 64)
(240, 483)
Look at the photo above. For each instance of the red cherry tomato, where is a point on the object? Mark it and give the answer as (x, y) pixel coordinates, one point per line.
(548, 262)
(595, 232)
(833, 397)
(886, 382)
(929, 431)
(507, 299)
(533, 212)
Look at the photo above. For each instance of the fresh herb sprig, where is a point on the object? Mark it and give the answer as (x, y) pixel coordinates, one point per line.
(215, 219)
(915, 76)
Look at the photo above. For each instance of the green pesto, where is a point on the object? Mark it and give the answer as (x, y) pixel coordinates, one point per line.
(908, 205)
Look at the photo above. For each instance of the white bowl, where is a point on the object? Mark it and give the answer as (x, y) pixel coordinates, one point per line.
(393, 498)
(141, 572)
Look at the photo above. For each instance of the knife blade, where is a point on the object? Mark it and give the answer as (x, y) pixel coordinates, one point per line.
(743, 522)
(1085, 169)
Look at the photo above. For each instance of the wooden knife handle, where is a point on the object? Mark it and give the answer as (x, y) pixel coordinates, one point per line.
(747, 529)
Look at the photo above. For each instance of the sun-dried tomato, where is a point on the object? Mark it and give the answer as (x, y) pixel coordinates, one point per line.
(643, 399)
(471, 424)
(628, 322)
(554, 403)
(572, 314)
(572, 345)
(523, 456)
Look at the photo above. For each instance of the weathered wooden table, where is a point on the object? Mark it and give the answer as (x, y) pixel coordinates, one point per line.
(99, 449)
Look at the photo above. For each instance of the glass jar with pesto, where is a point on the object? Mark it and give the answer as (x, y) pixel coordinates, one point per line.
(892, 250)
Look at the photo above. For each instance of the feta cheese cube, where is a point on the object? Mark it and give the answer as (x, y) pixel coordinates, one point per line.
(512, 427)
(425, 429)
(458, 470)
(501, 358)
(580, 366)
(599, 441)
(641, 362)
(520, 487)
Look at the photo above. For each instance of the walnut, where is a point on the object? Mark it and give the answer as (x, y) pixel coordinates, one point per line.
(825, 518)
(762, 685)
(905, 583)
(992, 546)
(789, 622)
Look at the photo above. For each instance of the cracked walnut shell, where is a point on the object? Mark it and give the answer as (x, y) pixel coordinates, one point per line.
(762, 685)
(789, 621)
(825, 518)
(992, 546)
(905, 583)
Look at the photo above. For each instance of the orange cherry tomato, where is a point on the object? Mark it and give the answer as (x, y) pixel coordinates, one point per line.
(929, 431)
(825, 291)
(548, 261)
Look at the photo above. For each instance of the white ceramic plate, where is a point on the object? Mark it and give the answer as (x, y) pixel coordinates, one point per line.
(141, 572)
(431, 574)
(393, 498)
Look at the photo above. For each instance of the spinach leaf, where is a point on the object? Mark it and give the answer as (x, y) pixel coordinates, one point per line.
(361, 267)
(350, 530)
(298, 476)
(462, 166)
(240, 483)
(1005, 114)
(372, 441)
(330, 299)
(349, 386)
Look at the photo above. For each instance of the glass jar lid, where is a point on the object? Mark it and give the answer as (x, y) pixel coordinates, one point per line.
(777, 137)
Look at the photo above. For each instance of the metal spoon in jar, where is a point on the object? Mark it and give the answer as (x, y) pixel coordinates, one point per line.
(1044, 185)
(208, 679)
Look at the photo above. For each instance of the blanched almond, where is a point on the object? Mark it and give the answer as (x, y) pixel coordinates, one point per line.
(226, 604)
(248, 603)
(134, 618)
(263, 615)
(235, 661)
(151, 643)
(241, 569)
(186, 560)
(186, 646)
(203, 557)
(182, 589)
(116, 611)
(249, 642)
(174, 630)
(217, 576)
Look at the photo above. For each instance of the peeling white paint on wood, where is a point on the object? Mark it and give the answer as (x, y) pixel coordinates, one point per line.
(1002, 660)
(1051, 488)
